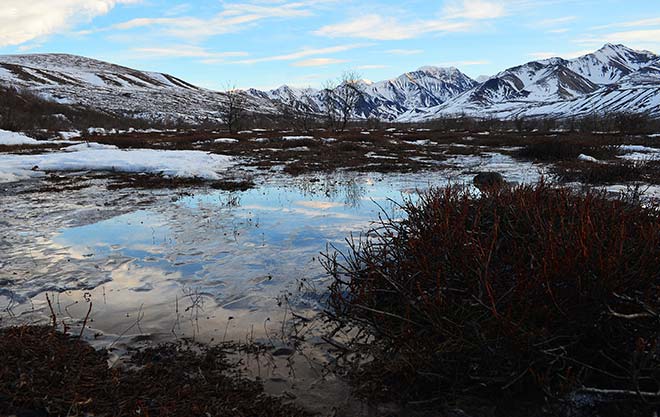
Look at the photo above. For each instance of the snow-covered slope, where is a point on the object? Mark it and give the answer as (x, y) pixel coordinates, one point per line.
(73, 79)
(614, 78)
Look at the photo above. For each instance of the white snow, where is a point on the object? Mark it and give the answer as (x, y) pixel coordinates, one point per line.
(225, 140)
(587, 158)
(297, 137)
(183, 164)
(69, 135)
(420, 142)
(13, 138)
(638, 148)
(86, 146)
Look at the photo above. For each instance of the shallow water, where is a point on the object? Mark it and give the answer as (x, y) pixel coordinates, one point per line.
(223, 265)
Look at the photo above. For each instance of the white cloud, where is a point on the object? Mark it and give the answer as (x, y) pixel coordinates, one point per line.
(233, 18)
(318, 62)
(555, 21)
(302, 54)
(456, 16)
(405, 51)
(644, 36)
(474, 9)
(653, 21)
(377, 27)
(185, 51)
(24, 21)
(648, 39)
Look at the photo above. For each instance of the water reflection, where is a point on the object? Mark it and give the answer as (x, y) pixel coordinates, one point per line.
(236, 251)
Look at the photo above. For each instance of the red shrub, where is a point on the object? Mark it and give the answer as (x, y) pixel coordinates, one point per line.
(533, 291)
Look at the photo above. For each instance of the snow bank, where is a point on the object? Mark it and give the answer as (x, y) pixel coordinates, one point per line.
(13, 138)
(183, 164)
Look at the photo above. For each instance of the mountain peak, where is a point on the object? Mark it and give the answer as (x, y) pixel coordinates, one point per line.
(430, 69)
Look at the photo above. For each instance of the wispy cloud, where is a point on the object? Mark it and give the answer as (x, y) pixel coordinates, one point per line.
(404, 51)
(185, 51)
(22, 22)
(654, 21)
(303, 53)
(558, 21)
(474, 9)
(318, 62)
(232, 18)
(456, 16)
(371, 66)
(378, 27)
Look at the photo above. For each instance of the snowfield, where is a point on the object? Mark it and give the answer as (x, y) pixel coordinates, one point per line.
(105, 158)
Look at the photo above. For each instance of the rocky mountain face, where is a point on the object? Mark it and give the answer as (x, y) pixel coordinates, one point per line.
(426, 87)
(614, 78)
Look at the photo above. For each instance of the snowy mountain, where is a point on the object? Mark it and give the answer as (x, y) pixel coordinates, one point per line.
(426, 87)
(119, 90)
(614, 78)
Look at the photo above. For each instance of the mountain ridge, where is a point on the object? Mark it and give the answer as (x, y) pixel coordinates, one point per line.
(613, 78)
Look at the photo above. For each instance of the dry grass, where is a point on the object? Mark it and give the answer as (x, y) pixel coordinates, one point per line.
(43, 372)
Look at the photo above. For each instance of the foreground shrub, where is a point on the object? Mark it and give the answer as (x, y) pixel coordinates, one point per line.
(608, 173)
(526, 293)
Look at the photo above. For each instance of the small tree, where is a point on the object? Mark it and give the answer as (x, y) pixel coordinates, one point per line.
(233, 109)
(349, 93)
(341, 100)
(329, 104)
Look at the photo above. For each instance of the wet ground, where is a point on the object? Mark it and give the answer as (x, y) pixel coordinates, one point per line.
(158, 265)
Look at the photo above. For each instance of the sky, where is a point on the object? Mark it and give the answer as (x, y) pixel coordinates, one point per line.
(266, 43)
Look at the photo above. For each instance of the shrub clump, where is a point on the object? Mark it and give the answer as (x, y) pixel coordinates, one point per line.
(516, 295)
(549, 150)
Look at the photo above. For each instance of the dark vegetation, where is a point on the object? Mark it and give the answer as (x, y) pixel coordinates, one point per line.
(22, 110)
(47, 373)
(518, 301)
(617, 172)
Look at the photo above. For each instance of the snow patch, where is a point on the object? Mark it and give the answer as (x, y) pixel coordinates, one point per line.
(13, 138)
(182, 164)
(587, 158)
(297, 137)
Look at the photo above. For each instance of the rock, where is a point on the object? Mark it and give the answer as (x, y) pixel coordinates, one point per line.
(283, 351)
(488, 180)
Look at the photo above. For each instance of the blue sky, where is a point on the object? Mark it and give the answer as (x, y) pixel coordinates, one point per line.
(266, 43)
